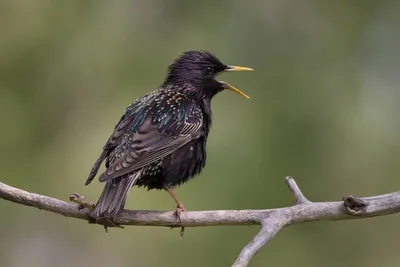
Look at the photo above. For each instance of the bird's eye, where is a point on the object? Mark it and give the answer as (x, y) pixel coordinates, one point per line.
(209, 70)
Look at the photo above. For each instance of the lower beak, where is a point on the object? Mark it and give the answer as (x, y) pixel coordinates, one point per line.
(230, 87)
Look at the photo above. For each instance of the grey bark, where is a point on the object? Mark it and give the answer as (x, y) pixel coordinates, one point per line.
(271, 220)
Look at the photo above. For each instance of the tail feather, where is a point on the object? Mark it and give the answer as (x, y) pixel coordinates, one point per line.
(113, 197)
(96, 167)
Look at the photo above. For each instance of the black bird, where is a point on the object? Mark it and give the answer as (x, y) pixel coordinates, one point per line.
(160, 141)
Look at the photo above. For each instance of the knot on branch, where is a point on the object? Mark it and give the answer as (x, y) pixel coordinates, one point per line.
(355, 205)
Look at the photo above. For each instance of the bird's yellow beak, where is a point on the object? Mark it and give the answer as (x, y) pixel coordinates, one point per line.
(230, 87)
(237, 68)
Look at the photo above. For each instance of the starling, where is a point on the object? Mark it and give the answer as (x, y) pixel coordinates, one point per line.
(160, 141)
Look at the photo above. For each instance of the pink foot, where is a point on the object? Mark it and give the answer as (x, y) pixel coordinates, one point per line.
(179, 210)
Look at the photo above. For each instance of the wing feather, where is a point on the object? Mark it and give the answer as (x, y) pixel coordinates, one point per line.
(152, 142)
(112, 141)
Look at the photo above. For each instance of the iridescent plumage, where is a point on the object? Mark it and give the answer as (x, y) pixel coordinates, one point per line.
(160, 141)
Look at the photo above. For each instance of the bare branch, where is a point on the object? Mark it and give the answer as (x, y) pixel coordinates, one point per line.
(294, 188)
(270, 227)
(271, 220)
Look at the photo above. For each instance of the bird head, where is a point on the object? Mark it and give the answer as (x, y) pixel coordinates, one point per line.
(194, 72)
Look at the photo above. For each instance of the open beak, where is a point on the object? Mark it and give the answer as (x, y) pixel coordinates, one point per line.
(230, 87)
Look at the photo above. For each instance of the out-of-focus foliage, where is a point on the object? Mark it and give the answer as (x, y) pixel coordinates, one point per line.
(323, 108)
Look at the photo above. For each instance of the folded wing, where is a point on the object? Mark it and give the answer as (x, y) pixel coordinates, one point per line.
(154, 141)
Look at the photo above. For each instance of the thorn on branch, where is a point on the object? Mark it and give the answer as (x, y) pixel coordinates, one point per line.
(355, 205)
(294, 188)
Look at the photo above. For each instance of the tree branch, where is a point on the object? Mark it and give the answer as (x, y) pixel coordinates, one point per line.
(271, 220)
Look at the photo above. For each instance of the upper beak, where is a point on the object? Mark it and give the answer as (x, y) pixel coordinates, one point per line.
(230, 87)
(237, 68)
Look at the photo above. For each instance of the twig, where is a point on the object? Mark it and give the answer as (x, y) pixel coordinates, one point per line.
(294, 188)
(271, 220)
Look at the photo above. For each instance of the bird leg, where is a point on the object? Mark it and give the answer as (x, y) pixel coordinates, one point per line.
(179, 208)
(75, 197)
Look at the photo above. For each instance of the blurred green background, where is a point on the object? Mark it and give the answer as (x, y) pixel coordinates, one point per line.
(323, 109)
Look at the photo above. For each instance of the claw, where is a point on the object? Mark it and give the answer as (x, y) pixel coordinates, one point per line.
(81, 201)
(179, 210)
(108, 222)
